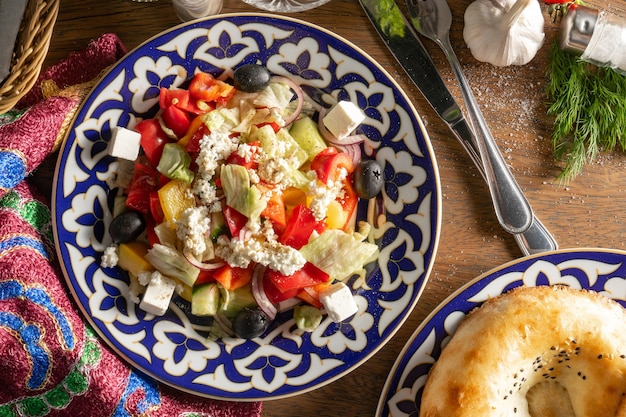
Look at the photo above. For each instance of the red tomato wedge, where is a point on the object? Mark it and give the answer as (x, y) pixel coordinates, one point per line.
(348, 201)
(176, 119)
(328, 162)
(143, 183)
(234, 220)
(153, 139)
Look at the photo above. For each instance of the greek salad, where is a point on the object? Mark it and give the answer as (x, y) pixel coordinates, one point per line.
(240, 196)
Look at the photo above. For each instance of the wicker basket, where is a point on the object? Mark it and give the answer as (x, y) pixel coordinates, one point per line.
(30, 51)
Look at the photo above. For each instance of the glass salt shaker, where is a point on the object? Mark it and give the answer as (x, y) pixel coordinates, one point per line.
(194, 9)
(597, 36)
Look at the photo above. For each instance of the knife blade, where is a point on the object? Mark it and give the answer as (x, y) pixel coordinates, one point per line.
(404, 44)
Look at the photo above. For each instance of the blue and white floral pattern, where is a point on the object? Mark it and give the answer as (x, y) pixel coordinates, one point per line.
(601, 270)
(281, 362)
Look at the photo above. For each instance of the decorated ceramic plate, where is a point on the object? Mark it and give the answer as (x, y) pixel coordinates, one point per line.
(600, 270)
(405, 219)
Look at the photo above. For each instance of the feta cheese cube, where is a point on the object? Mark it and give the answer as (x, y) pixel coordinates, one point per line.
(343, 118)
(158, 294)
(124, 143)
(338, 302)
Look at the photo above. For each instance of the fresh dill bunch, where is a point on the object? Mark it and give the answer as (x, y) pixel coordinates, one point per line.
(588, 106)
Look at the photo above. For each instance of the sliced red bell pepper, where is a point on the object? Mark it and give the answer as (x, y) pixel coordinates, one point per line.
(328, 162)
(176, 119)
(234, 220)
(205, 87)
(299, 227)
(273, 293)
(274, 211)
(311, 295)
(173, 97)
(275, 126)
(204, 277)
(153, 139)
(307, 276)
(144, 181)
(232, 277)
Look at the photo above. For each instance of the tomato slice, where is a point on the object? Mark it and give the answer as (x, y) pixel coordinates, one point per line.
(249, 163)
(205, 87)
(299, 227)
(144, 181)
(234, 220)
(348, 200)
(153, 239)
(176, 119)
(155, 207)
(152, 140)
(307, 276)
(328, 162)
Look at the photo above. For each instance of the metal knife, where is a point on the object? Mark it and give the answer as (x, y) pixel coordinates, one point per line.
(408, 50)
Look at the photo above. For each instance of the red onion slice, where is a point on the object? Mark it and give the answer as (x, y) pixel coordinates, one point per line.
(224, 324)
(259, 293)
(203, 266)
(354, 150)
(299, 94)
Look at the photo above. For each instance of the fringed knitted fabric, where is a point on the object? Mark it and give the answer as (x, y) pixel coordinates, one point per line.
(51, 362)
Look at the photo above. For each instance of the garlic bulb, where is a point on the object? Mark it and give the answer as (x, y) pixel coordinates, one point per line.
(504, 32)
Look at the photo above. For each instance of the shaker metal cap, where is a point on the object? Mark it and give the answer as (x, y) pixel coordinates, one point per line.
(576, 28)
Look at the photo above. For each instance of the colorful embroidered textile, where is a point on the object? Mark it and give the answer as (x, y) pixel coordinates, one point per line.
(51, 362)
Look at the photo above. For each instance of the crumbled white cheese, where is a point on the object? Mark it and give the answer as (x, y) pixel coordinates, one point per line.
(144, 278)
(272, 254)
(338, 302)
(192, 228)
(158, 295)
(124, 143)
(343, 118)
(206, 191)
(323, 194)
(109, 258)
(214, 148)
(247, 152)
(274, 170)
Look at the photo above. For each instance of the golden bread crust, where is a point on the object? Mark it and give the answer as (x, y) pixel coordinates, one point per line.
(566, 346)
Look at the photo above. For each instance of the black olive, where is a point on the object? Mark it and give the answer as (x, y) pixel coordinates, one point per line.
(251, 78)
(250, 323)
(127, 226)
(368, 178)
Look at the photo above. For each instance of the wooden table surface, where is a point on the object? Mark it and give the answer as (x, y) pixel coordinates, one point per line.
(587, 212)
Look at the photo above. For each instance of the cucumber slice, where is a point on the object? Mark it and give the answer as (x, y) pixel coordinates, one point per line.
(205, 299)
(307, 134)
